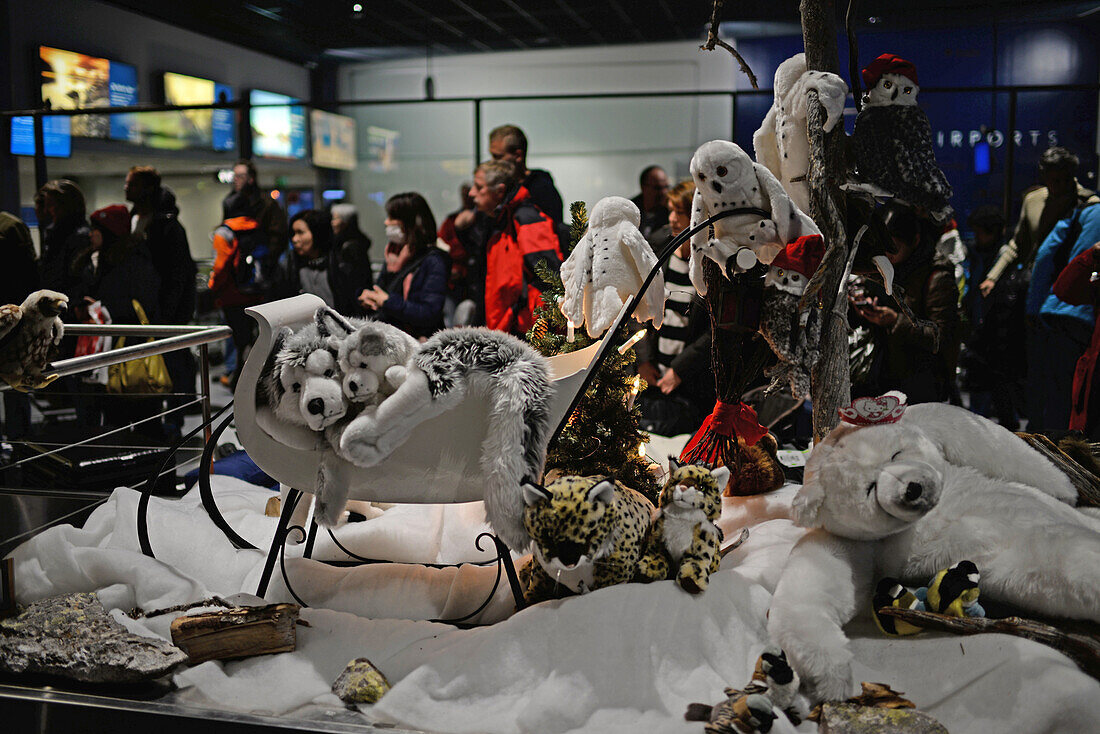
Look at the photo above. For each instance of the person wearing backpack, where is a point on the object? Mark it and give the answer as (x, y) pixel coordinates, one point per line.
(1062, 330)
(235, 240)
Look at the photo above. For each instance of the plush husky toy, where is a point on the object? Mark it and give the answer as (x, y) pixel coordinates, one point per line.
(303, 387)
(373, 360)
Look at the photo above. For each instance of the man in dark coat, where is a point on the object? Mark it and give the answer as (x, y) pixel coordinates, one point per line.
(156, 224)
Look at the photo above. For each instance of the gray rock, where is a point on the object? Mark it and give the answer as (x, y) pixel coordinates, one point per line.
(851, 718)
(361, 682)
(74, 637)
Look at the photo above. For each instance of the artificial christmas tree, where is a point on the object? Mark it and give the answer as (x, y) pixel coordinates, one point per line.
(602, 436)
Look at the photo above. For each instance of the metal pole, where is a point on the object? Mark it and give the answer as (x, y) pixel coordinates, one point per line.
(204, 357)
(477, 133)
(733, 117)
(40, 174)
(1010, 155)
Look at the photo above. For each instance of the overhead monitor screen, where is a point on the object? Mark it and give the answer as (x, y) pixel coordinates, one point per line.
(55, 130)
(277, 131)
(333, 140)
(71, 80)
(198, 129)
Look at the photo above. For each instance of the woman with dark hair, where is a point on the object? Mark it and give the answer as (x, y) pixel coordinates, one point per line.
(916, 357)
(313, 264)
(411, 290)
(66, 234)
(352, 250)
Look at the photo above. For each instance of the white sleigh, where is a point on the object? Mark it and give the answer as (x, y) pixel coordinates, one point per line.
(438, 463)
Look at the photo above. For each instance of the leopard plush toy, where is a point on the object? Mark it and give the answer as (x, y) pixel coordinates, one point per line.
(589, 532)
(684, 542)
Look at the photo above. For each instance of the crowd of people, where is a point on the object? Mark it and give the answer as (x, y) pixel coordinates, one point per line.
(1014, 320)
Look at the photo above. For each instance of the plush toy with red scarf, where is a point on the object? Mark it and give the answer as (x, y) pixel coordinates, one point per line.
(793, 336)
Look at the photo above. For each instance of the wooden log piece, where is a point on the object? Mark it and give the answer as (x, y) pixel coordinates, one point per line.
(236, 633)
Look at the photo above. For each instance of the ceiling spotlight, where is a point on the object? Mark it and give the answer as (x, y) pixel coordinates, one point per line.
(357, 8)
(873, 19)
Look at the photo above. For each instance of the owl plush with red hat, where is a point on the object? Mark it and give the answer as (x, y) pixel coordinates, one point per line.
(792, 336)
(892, 140)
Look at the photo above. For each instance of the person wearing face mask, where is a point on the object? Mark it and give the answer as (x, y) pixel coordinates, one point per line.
(413, 285)
(313, 264)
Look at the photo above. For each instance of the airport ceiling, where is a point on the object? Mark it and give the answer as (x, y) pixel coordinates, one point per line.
(308, 31)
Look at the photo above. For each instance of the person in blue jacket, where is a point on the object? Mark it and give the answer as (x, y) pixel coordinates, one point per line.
(412, 288)
(1063, 330)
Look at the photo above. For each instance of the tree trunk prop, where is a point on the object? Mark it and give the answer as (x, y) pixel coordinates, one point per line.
(831, 385)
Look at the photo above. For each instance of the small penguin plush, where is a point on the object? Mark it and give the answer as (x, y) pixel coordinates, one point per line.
(794, 337)
(29, 336)
(952, 591)
(892, 139)
(608, 265)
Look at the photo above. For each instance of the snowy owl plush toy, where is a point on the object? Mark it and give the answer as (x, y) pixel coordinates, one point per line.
(726, 178)
(782, 143)
(892, 140)
(608, 265)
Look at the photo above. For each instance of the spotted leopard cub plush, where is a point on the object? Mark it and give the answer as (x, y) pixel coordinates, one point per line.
(588, 532)
(684, 542)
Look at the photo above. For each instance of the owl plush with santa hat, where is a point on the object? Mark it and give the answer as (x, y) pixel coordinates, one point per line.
(892, 140)
(793, 336)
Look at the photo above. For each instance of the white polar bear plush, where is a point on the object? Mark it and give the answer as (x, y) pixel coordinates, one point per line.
(909, 498)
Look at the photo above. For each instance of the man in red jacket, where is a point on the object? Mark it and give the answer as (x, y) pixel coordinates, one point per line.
(520, 235)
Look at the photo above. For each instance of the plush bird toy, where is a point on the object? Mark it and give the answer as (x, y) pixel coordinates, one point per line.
(773, 687)
(892, 140)
(726, 178)
(608, 265)
(782, 143)
(793, 337)
(952, 591)
(29, 336)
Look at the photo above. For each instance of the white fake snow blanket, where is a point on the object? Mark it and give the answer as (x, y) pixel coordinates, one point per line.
(624, 659)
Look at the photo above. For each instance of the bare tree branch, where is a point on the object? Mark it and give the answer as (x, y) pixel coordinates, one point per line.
(830, 378)
(713, 40)
(1084, 650)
